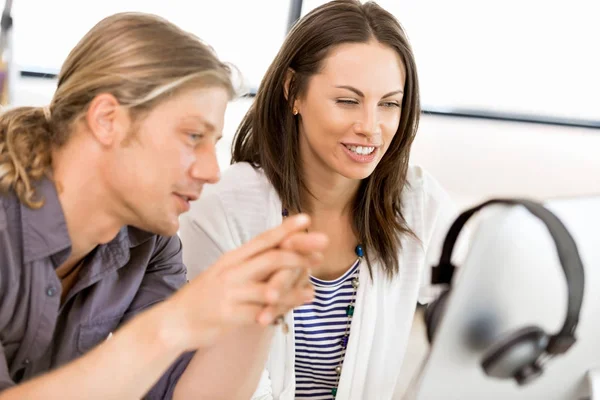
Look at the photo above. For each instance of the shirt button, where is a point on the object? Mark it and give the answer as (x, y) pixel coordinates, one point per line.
(51, 291)
(26, 361)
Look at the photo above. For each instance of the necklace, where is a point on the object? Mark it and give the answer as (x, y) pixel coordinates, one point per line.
(343, 343)
(349, 314)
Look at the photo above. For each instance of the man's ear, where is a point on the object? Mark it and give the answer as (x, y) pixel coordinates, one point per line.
(107, 120)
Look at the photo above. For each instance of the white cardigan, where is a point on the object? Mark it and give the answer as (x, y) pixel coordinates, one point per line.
(244, 204)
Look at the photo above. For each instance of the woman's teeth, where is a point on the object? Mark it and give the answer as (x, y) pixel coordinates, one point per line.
(362, 150)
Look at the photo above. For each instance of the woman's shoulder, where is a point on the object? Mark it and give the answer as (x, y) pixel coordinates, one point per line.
(420, 183)
(243, 197)
(427, 207)
(241, 175)
(424, 193)
(240, 182)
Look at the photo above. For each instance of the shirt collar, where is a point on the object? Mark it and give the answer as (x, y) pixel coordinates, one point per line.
(44, 229)
(45, 232)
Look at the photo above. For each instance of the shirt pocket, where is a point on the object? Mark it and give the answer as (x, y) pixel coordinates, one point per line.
(96, 332)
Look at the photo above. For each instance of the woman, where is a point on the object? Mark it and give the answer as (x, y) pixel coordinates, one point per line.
(329, 134)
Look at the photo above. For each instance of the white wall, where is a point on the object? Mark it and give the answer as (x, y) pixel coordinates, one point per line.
(476, 159)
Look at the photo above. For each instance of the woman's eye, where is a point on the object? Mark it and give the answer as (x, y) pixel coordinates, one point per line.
(346, 101)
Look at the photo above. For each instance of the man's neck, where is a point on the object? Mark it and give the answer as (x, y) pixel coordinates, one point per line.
(84, 201)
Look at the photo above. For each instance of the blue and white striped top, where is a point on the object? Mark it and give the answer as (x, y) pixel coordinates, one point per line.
(318, 331)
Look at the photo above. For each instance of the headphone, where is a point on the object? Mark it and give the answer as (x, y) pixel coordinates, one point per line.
(518, 354)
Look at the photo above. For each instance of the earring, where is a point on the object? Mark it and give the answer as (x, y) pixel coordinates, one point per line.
(295, 111)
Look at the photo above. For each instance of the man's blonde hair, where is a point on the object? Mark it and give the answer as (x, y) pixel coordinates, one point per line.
(138, 58)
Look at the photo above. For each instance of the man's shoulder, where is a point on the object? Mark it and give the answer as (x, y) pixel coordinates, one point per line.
(9, 209)
(11, 240)
(3, 216)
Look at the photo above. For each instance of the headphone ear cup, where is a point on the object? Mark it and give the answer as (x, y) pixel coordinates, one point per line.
(433, 314)
(516, 355)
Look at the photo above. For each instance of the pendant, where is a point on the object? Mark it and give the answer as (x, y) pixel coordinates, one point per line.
(344, 341)
(359, 251)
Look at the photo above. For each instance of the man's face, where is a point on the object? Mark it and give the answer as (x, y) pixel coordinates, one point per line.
(162, 165)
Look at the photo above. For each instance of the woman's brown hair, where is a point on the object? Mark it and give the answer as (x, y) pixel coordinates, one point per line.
(268, 135)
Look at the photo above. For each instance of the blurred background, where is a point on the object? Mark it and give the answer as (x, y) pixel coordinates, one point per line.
(510, 90)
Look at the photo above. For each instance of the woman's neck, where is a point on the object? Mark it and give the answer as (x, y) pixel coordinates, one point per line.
(326, 192)
(328, 199)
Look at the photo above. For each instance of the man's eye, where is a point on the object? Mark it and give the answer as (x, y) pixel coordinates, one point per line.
(195, 137)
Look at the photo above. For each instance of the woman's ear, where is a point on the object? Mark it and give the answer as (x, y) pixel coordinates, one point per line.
(289, 75)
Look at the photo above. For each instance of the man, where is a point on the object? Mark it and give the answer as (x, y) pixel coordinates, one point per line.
(91, 189)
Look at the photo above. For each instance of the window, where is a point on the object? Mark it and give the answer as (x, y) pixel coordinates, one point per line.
(531, 58)
(246, 33)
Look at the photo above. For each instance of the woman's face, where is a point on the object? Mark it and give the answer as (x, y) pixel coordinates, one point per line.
(351, 110)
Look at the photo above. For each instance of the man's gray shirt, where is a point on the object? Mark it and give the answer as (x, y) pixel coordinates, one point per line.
(117, 281)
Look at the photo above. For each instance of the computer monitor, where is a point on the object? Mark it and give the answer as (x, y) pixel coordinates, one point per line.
(511, 278)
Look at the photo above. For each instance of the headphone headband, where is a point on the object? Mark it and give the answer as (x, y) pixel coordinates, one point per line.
(567, 253)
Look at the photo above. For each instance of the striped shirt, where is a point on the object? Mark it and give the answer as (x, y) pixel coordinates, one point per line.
(319, 328)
